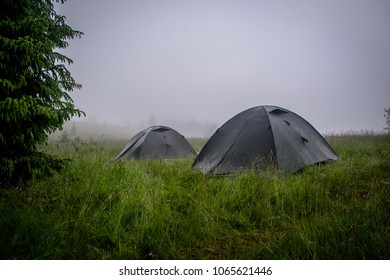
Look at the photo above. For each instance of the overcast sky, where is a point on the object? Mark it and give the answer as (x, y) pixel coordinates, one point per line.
(208, 60)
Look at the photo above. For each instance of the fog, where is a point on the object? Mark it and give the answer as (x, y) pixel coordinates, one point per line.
(177, 62)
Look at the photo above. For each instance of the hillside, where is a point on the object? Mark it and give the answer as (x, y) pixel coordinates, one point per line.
(99, 209)
(92, 131)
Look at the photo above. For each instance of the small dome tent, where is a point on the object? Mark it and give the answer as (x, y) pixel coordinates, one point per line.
(262, 136)
(157, 142)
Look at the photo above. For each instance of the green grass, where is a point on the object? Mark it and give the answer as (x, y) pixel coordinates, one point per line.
(99, 209)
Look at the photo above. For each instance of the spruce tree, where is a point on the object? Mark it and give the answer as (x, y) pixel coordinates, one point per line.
(34, 86)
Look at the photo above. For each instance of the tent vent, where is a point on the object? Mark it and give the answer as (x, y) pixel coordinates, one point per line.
(286, 122)
(278, 111)
(161, 129)
(304, 139)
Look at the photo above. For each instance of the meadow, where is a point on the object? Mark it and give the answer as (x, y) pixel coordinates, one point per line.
(99, 209)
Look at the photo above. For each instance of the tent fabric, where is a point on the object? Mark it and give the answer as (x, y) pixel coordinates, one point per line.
(157, 142)
(260, 137)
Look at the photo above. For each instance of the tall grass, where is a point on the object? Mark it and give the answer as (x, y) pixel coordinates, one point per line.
(100, 209)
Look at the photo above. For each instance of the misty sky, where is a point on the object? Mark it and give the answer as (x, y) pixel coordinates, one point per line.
(327, 61)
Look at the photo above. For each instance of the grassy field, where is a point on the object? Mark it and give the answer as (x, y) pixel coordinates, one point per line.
(99, 209)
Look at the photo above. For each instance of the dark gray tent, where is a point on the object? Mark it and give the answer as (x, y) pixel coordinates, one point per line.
(157, 142)
(262, 136)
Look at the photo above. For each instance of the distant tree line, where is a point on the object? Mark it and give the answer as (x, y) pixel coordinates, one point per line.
(387, 116)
